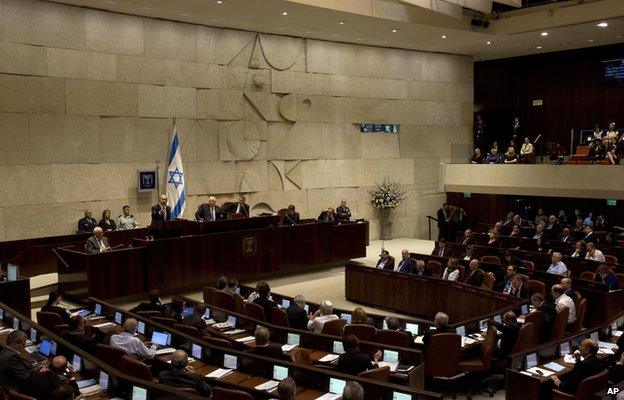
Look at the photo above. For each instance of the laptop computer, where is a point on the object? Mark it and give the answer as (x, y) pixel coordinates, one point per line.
(280, 373)
(161, 339)
(230, 361)
(77, 363)
(196, 351)
(285, 303)
(346, 317)
(401, 396)
(98, 309)
(118, 318)
(337, 347)
(336, 386)
(47, 349)
(531, 360)
(138, 393)
(187, 311)
(141, 327)
(413, 328)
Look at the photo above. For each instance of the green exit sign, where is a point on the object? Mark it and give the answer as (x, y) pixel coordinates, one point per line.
(467, 195)
(611, 202)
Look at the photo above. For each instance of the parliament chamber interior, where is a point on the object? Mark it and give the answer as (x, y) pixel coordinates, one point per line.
(300, 199)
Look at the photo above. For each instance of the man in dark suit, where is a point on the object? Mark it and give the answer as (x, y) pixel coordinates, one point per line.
(342, 211)
(440, 325)
(567, 236)
(183, 375)
(510, 328)
(421, 269)
(154, 303)
(98, 243)
(586, 365)
(475, 274)
(440, 249)
(297, 316)
(87, 223)
(386, 261)
(14, 370)
(445, 221)
(291, 217)
(590, 236)
(42, 384)
(407, 263)
(550, 315)
(327, 216)
(77, 335)
(469, 238)
(209, 212)
(161, 211)
(518, 288)
(264, 347)
(354, 360)
(240, 207)
(196, 319)
(392, 324)
(505, 284)
(264, 290)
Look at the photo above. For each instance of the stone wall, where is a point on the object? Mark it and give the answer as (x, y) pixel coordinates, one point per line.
(86, 100)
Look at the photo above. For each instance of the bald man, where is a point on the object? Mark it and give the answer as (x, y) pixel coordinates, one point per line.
(59, 372)
(209, 212)
(183, 375)
(586, 364)
(98, 243)
(161, 211)
(132, 345)
(407, 263)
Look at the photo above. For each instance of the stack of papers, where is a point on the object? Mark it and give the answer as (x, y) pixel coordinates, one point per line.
(5, 330)
(329, 396)
(569, 358)
(246, 339)
(605, 351)
(219, 373)
(95, 317)
(89, 390)
(607, 345)
(31, 349)
(329, 358)
(288, 347)
(234, 331)
(166, 350)
(103, 325)
(393, 366)
(419, 340)
(268, 386)
(544, 372)
(222, 325)
(210, 321)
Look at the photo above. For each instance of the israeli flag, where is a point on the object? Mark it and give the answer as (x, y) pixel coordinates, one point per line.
(175, 178)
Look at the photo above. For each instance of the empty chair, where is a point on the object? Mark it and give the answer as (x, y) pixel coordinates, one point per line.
(560, 324)
(586, 389)
(170, 322)
(218, 342)
(525, 336)
(490, 259)
(588, 275)
(363, 332)
(279, 317)
(334, 327)
(381, 374)
(189, 330)
(488, 281)
(393, 338)
(443, 369)
(255, 311)
(528, 264)
(49, 320)
(223, 300)
(136, 368)
(207, 292)
(109, 354)
(581, 309)
(536, 318)
(15, 395)
(620, 278)
(481, 364)
(239, 304)
(221, 393)
(537, 287)
(435, 267)
(300, 356)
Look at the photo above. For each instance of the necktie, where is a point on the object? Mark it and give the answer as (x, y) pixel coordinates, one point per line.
(212, 213)
(238, 209)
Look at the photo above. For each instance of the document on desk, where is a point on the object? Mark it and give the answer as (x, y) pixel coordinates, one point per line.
(393, 366)
(569, 358)
(329, 358)
(544, 372)
(617, 333)
(5, 330)
(419, 340)
(329, 396)
(222, 325)
(607, 345)
(210, 321)
(103, 325)
(246, 339)
(520, 319)
(220, 373)
(603, 350)
(288, 347)
(90, 390)
(166, 350)
(234, 331)
(95, 318)
(554, 366)
(268, 386)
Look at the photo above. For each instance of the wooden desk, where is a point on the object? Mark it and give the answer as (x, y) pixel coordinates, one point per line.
(16, 295)
(421, 296)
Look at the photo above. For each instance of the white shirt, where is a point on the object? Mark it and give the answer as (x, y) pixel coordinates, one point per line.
(132, 345)
(559, 268)
(450, 275)
(598, 256)
(316, 324)
(564, 301)
(382, 263)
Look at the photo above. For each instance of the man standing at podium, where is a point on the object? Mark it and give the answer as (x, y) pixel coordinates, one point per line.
(161, 211)
(97, 243)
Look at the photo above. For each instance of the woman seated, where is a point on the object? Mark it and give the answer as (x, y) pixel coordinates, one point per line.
(106, 223)
(526, 151)
(611, 151)
(494, 241)
(477, 157)
(605, 275)
(451, 272)
(510, 156)
(493, 157)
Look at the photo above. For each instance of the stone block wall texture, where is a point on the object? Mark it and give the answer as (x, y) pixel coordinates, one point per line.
(86, 100)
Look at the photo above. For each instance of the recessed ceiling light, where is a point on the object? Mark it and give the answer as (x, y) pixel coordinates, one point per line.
(619, 36)
(184, 14)
(395, 30)
(544, 34)
(488, 42)
(603, 25)
(539, 47)
(219, 1)
(284, 12)
(456, 48)
(564, 43)
(109, 1)
(443, 36)
(340, 22)
(591, 40)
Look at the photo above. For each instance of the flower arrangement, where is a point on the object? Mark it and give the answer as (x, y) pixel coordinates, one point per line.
(387, 194)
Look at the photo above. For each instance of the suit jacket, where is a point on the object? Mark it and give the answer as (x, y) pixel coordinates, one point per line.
(81, 340)
(185, 379)
(323, 217)
(86, 224)
(147, 306)
(446, 252)
(389, 265)
(567, 239)
(591, 238)
(92, 246)
(60, 311)
(244, 210)
(503, 284)
(570, 382)
(42, 384)
(297, 316)
(475, 278)
(406, 265)
(273, 350)
(196, 321)
(110, 226)
(266, 304)
(353, 362)
(550, 315)
(14, 370)
(467, 241)
(160, 214)
(204, 214)
(288, 219)
(523, 292)
(343, 213)
(425, 272)
(509, 336)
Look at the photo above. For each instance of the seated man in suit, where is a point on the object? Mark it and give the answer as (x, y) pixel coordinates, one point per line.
(469, 238)
(78, 336)
(386, 261)
(183, 375)
(586, 364)
(240, 207)
(468, 254)
(327, 216)
(590, 236)
(578, 251)
(510, 328)
(290, 217)
(132, 345)
(161, 211)
(440, 325)
(353, 391)
(475, 274)
(393, 324)
(566, 236)
(549, 312)
(87, 223)
(440, 249)
(209, 212)
(407, 263)
(321, 316)
(263, 300)
(505, 284)
(264, 347)
(421, 269)
(196, 319)
(353, 360)
(518, 288)
(154, 303)
(297, 316)
(42, 384)
(342, 211)
(14, 370)
(98, 243)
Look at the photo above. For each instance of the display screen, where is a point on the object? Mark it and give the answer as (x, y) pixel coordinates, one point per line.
(613, 72)
(385, 128)
(280, 373)
(336, 386)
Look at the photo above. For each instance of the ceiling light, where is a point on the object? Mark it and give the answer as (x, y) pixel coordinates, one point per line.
(544, 34)
(564, 43)
(539, 47)
(219, 1)
(184, 14)
(619, 36)
(284, 12)
(603, 25)
(488, 42)
(340, 22)
(591, 40)
(443, 36)
(395, 30)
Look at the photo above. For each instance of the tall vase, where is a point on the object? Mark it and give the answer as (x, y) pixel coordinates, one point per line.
(385, 224)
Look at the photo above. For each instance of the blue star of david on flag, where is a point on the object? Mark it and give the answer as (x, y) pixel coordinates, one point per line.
(176, 178)
(175, 183)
